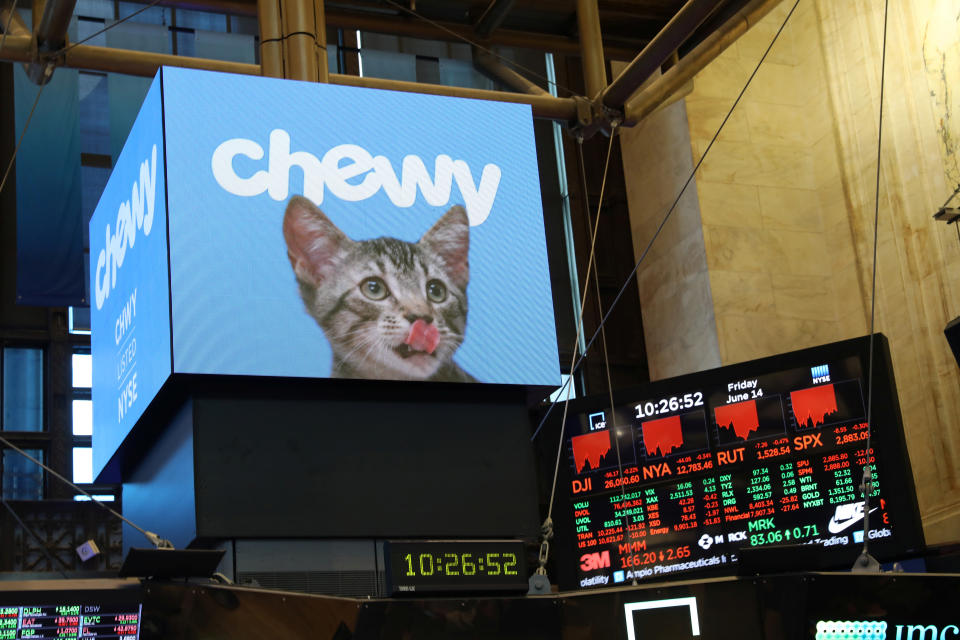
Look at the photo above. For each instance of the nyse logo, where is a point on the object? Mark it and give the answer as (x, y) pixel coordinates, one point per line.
(593, 561)
(820, 373)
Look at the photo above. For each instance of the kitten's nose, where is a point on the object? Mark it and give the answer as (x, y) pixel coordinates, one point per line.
(412, 317)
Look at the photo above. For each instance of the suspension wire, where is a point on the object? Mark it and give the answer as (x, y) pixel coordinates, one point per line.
(67, 48)
(23, 133)
(472, 43)
(603, 333)
(630, 277)
(152, 537)
(33, 534)
(576, 343)
(866, 485)
(6, 27)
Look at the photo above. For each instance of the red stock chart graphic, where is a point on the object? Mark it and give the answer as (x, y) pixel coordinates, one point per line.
(749, 420)
(826, 404)
(739, 417)
(674, 435)
(812, 406)
(590, 449)
(661, 437)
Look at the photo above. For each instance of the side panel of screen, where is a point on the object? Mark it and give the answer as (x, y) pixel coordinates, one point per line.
(130, 310)
(379, 275)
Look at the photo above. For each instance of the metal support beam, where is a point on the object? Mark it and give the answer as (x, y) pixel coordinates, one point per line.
(544, 106)
(299, 39)
(271, 38)
(141, 63)
(320, 29)
(492, 17)
(591, 47)
(680, 27)
(489, 65)
(51, 31)
(660, 91)
(399, 26)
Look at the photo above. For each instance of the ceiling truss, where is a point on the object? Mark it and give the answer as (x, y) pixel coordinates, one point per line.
(294, 46)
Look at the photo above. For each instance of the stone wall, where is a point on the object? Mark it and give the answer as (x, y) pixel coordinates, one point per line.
(783, 255)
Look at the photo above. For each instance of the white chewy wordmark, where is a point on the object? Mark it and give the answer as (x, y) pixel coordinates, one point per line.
(349, 172)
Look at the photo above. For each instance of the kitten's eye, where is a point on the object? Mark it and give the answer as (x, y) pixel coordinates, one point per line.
(374, 288)
(436, 291)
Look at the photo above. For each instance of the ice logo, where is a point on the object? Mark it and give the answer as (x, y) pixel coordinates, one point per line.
(132, 215)
(350, 173)
(597, 421)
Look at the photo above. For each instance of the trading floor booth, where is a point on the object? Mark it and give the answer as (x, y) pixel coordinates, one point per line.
(321, 346)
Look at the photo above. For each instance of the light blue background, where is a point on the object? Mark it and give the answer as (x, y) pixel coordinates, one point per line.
(236, 307)
(144, 268)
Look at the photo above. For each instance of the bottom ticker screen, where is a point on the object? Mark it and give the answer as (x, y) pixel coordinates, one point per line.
(70, 621)
(678, 481)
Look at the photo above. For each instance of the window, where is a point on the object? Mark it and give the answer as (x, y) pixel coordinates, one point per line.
(22, 479)
(82, 416)
(22, 421)
(22, 398)
(82, 421)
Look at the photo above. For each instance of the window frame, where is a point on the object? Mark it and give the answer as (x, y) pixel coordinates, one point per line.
(22, 439)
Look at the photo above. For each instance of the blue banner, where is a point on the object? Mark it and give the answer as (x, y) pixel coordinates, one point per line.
(49, 222)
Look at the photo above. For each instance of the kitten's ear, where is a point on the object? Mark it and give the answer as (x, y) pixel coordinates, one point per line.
(450, 239)
(313, 241)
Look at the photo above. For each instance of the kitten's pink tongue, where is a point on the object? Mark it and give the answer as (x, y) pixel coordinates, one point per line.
(423, 336)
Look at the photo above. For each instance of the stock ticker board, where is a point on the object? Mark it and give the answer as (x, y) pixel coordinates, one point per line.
(70, 621)
(686, 472)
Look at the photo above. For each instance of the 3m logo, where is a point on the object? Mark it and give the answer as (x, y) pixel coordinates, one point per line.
(592, 561)
(629, 608)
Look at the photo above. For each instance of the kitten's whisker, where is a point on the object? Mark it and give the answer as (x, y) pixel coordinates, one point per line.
(358, 344)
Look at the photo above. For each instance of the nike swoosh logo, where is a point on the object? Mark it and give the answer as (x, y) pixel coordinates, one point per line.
(843, 525)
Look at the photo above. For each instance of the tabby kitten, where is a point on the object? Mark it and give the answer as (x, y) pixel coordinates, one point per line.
(390, 309)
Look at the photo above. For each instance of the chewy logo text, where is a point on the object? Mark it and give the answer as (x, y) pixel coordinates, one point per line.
(351, 173)
(133, 214)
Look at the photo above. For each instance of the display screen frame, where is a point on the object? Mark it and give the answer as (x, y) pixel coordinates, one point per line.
(892, 460)
(406, 563)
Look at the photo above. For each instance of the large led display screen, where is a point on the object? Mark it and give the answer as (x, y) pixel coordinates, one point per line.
(130, 295)
(317, 231)
(684, 473)
(334, 231)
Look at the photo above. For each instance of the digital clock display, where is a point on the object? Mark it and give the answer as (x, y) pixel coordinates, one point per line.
(427, 566)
